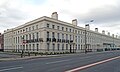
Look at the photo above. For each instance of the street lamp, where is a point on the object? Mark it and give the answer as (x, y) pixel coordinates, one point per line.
(87, 25)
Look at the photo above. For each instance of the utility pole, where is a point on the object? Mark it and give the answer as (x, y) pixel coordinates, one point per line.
(85, 42)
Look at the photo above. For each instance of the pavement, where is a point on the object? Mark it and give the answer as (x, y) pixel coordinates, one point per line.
(7, 56)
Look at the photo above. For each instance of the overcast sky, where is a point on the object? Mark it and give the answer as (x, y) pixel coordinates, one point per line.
(105, 13)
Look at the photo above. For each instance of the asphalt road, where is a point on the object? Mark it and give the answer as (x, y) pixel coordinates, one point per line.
(66, 63)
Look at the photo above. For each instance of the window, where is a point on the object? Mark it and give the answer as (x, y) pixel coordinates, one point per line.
(79, 47)
(70, 30)
(53, 26)
(18, 40)
(37, 35)
(53, 35)
(26, 47)
(26, 37)
(58, 35)
(47, 25)
(18, 32)
(32, 27)
(36, 26)
(26, 29)
(66, 36)
(76, 38)
(58, 47)
(48, 46)
(29, 28)
(62, 46)
(62, 36)
(66, 29)
(79, 39)
(62, 28)
(37, 47)
(76, 31)
(66, 46)
(70, 37)
(47, 34)
(33, 36)
(33, 47)
(58, 27)
(30, 47)
(53, 47)
(29, 36)
(76, 46)
(23, 30)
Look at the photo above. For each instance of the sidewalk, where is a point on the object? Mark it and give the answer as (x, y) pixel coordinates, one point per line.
(18, 57)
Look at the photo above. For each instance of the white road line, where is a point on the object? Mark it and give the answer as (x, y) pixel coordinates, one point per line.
(93, 64)
(58, 61)
(10, 69)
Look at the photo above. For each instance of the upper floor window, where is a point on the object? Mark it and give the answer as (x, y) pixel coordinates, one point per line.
(58, 35)
(70, 30)
(47, 34)
(36, 26)
(18, 32)
(66, 36)
(29, 28)
(37, 35)
(53, 26)
(26, 37)
(53, 35)
(33, 36)
(29, 36)
(62, 36)
(47, 25)
(32, 27)
(58, 27)
(26, 29)
(66, 29)
(62, 28)
(23, 30)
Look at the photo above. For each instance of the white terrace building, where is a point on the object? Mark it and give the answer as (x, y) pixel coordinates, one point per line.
(47, 34)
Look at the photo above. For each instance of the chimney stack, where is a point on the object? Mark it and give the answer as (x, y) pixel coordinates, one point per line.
(96, 29)
(74, 22)
(112, 35)
(87, 26)
(54, 15)
(103, 32)
(108, 33)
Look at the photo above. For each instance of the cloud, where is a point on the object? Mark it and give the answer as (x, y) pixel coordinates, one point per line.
(106, 13)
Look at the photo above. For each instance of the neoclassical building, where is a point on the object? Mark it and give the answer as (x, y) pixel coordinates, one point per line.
(48, 34)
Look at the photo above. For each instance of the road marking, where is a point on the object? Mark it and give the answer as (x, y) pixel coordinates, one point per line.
(93, 64)
(10, 69)
(58, 61)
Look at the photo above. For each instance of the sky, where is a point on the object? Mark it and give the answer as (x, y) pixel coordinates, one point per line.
(105, 13)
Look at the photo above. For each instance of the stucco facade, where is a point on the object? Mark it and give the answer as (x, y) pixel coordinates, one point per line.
(48, 34)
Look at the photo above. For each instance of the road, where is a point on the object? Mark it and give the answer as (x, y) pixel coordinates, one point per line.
(91, 62)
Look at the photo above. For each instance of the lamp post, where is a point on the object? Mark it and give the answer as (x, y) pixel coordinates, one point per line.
(86, 25)
(85, 42)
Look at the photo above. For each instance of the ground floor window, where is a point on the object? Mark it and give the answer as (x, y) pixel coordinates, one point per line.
(48, 46)
(33, 47)
(53, 47)
(58, 46)
(66, 46)
(37, 47)
(62, 46)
